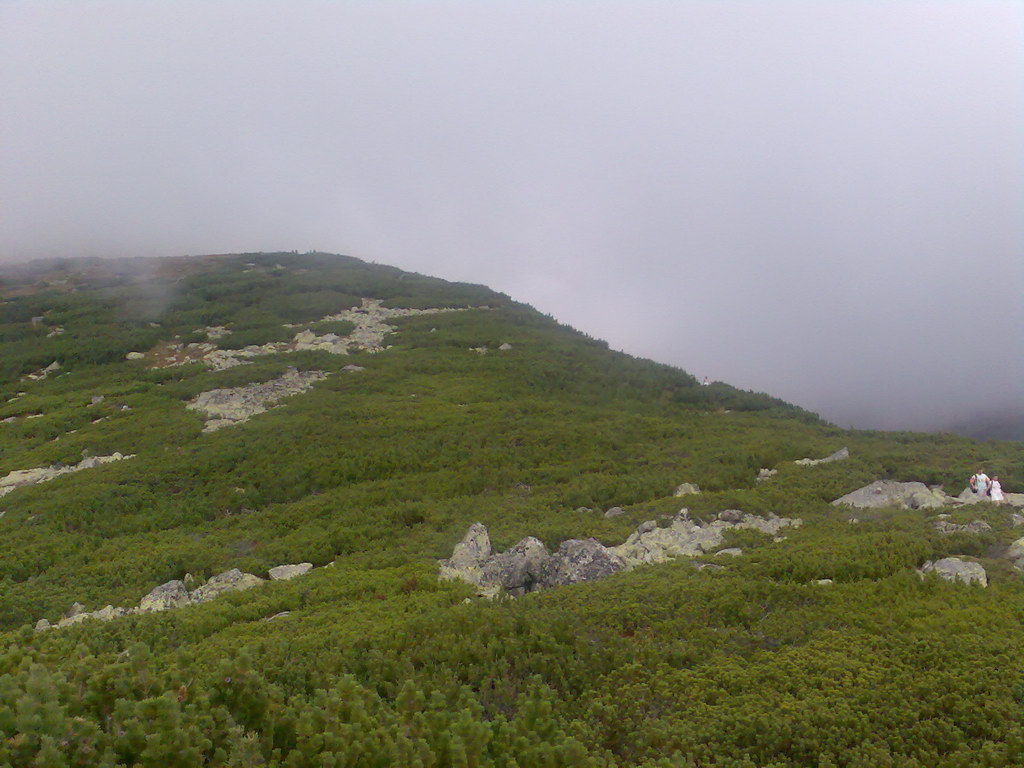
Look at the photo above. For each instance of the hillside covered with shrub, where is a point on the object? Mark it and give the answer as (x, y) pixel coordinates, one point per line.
(489, 412)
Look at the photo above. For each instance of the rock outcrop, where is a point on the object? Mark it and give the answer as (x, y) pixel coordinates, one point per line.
(171, 594)
(764, 473)
(944, 525)
(528, 566)
(285, 572)
(229, 581)
(842, 453)
(687, 538)
(22, 477)
(234, 405)
(956, 569)
(890, 493)
(371, 327)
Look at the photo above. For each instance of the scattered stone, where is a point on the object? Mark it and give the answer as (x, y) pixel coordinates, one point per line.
(285, 572)
(764, 474)
(42, 373)
(517, 571)
(731, 551)
(889, 493)
(42, 625)
(822, 582)
(76, 609)
(353, 368)
(945, 526)
(839, 455)
(229, 581)
(135, 356)
(684, 489)
(614, 512)
(23, 477)
(505, 347)
(96, 400)
(214, 332)
(107, 613)
(468, 556)
(479, 350)
(955, 569)
(731, 516)
(57, 330)
(234, 405)
(171, 594)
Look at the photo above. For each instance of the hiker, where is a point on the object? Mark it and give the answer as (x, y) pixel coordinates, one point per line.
(979, 484)
(705, 382)
(995, 490)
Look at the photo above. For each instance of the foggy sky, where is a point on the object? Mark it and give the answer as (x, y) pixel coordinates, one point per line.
(818, 200)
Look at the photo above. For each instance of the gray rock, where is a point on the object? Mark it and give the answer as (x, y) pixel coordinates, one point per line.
(945, 526)
(731, 516)
(890, 493)
(580, 560)
(1016, 520)
(76, 609)
(647, 527)
(134, 356)
(168, 595)
(285, 572)
(954, 569)
(764, 473)
(468, 556)
(107, 613)
(839, 455)
(96, 400)
(505, 347)
(516, 571)
(684, 489)
(42, 625)
(353, 368)
(615, 512)
(1016, 551)
(229, 581)
(822, 582)
(234, 405)
(731, 551)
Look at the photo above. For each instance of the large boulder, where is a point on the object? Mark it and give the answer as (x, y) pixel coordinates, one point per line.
(516, 571)
(172, 594)
(955, 569)
(229, 581)
(285, 572)
(890, 493)
(580, 560)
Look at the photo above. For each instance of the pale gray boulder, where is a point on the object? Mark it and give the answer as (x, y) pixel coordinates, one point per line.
(285, 572)
(954, 569)
(42, 625)
(580, 560)
(764, 473)
(614, 512)
(468, 556)
(842, 453)
(229, 581)
(890, 493)
(171, 594)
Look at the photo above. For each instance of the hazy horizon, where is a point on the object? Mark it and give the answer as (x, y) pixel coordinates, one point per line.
(821, 202)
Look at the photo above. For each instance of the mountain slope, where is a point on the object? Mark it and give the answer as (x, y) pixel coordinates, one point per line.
(379, 472)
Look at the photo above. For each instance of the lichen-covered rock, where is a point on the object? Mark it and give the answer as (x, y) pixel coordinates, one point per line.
(171, 594)
(285, 572)
(955, 569)
(468, 556)
(842, 453)
(764, 473)
(234, 405)
(516, 571)
(946, 526)
(614, 512)
(229, 581)
(730, 551)
(42, 625)
(890, 493)
(684, 489)
(107, 613)
(22, 477)
(580, 560)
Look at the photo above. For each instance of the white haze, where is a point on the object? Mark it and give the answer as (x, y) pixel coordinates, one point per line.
(818, 200)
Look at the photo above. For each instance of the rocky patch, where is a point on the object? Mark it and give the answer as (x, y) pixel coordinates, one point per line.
(842, 453)
(528, 566)
(890, 493)
(371, 327)
(42, 373)
(234, 405)
(22, 477)
(944, 525)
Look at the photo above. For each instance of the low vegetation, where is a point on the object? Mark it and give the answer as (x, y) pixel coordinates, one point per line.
(373, 662)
